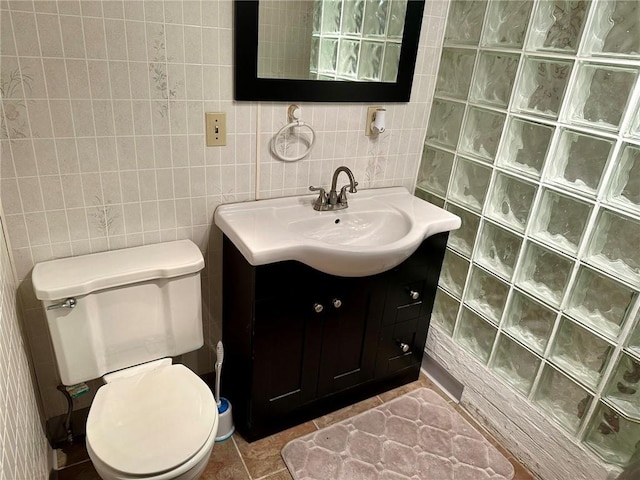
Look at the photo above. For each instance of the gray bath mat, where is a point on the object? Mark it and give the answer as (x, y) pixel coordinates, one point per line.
(416, 436)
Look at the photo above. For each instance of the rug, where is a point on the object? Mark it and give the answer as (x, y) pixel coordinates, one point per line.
(416, 436)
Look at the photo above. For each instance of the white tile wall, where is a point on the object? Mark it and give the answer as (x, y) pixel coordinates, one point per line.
(24, 450)
(102, 137)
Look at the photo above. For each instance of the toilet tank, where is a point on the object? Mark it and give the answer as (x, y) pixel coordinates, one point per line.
(131, 306)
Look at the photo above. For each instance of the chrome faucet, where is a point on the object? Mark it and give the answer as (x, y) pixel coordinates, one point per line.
(334, 200)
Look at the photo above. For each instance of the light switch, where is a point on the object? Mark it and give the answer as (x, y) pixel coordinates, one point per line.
(216, 128)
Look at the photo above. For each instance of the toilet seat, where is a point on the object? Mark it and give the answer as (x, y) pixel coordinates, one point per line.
(152, 422)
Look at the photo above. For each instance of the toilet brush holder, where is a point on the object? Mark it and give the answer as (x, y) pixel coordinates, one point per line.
(225, 421)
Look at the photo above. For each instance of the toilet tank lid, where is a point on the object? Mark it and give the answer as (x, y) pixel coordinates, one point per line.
(74, 276)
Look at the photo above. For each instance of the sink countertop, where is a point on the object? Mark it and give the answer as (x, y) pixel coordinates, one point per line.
(380, 229)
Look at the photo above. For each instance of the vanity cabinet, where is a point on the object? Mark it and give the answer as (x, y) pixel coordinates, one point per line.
(300, 343)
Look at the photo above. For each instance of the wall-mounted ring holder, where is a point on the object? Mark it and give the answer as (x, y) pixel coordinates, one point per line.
(289, 137)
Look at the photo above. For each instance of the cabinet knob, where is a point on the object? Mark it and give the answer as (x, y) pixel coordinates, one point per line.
(337, 303)
(317, 307)
(414, 294)
(404, 347)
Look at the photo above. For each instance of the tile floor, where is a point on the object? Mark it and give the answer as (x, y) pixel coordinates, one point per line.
(236, 459)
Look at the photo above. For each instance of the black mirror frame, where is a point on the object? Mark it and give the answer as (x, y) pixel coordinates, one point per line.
(249, 87)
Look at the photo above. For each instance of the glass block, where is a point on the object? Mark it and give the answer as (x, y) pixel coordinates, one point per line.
(544, 274)
(445, 121)
(613, 437)
(615, 30)
(507, 22)
(579, 161)
(525, 146)
(475, 335)
(454, 273)
(465, 21)
(314, 54)
(580, 353)
(445, 311)
(560, 221)
(498, 250)
(396, 18)
(614, 246)
(375, 18)
(463, 239)
(600, 302)
(331, 14)
(391, 62)
(469, 184)
(316, 20)
(529, 321)
(481, 133)
(515, 364)
(486, 294)
(600, 95)
(429, 197)
(563, 399)
(348, 59)
(352, 16)
(624, 387)
(328, 55)
(435, 170)
(454, 74)
(557, 25)
(370, 60)
(510, 201)
(541, 86)
(624, 187)
(494, 78)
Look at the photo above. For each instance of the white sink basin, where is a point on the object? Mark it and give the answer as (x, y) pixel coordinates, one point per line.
(349, 227)
(379, 230)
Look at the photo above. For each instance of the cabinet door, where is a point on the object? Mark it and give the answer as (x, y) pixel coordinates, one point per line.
(285, 356)
(349, 334)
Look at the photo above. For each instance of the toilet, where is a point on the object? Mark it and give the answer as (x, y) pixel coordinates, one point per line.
(121, 315)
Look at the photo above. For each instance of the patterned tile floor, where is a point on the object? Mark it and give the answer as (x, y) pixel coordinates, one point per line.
(236, 459)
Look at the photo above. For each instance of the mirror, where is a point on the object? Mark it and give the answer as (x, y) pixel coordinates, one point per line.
(326, 50)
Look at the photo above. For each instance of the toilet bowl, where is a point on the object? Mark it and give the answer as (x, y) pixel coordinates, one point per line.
(158, 422)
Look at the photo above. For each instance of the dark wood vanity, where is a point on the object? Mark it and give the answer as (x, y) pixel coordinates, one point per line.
(300, 343)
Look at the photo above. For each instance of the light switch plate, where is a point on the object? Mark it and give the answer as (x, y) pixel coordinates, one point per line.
(216, 128)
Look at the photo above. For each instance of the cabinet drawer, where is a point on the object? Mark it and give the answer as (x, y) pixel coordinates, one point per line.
(410, 336)
(404, 302)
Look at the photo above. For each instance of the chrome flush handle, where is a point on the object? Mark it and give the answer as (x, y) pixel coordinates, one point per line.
(68, 303)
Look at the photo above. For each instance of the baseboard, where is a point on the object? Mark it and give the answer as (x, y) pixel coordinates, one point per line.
(442, 378)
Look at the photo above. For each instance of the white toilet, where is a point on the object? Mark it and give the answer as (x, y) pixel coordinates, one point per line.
(121, 315)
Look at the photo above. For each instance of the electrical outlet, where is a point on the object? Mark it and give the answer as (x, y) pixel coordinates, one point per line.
(371, 113)
(216, 128)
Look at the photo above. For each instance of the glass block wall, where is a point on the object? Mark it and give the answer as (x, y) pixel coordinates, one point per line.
(534, 141)
(357, 39)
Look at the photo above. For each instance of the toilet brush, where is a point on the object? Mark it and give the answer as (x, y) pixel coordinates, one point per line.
(225, 420)
(219, 360)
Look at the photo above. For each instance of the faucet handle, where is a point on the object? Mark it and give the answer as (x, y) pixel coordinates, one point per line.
(321, 201)
(342, 197)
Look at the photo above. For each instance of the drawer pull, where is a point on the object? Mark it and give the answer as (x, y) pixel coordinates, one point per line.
(337, 303)
(404, 347)
(317, 307)
(414, 294)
